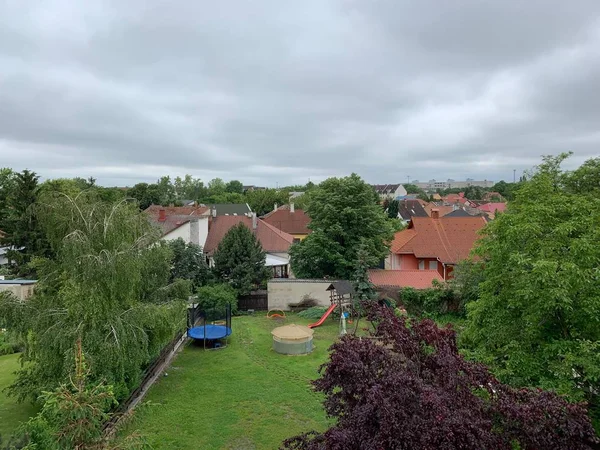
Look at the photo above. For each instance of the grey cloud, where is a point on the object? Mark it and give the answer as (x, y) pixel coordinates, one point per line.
(277, 92)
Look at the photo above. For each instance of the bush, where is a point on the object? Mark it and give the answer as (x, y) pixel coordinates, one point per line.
(8, 345)
(440, 299)
(218, 296)
(316, 312)
(407, 386)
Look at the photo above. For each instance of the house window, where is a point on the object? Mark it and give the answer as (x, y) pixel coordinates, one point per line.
(433, 265)
(421, 264)
(296, 240)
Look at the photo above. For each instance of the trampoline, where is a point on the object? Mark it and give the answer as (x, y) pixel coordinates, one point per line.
(209, 332)
(209, 326)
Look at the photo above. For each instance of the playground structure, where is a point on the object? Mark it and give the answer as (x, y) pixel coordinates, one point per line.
(341, 294)
(210, 326)
(276, 314)
(293, 339)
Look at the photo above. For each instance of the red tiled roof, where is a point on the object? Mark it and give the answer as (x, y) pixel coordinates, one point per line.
(492, 207)
(449, 239)
(290, 222)
(456, 198)
(418, 279)
(175, 216)
(443, 209)
(271, 239)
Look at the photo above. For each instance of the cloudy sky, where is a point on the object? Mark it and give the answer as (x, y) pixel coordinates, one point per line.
(279, 91)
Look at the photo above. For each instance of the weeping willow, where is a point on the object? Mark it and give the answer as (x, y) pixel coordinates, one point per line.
(108, 285)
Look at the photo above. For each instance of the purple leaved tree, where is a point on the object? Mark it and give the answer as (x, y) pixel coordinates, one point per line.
(407, 387)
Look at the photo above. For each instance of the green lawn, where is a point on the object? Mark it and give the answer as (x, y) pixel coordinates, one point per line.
(244, 396)
(11, 412)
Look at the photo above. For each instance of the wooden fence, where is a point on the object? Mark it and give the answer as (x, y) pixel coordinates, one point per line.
(257, 300)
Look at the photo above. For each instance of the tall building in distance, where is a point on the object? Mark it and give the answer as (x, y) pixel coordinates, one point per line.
(433, 185)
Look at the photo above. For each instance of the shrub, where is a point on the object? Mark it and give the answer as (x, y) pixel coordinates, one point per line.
(316, 312)
(408, 387)
(218, 296)
(440, 299)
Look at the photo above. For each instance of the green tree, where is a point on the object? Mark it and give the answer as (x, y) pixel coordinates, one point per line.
(537, 319)
(20, 223)
(189, 263)
(240, 260)
(107, 283)
(216, 186)
(263, 201)
(73, 414)
(190, 188)
(393, 208)
(344, 214)
(235, 187)
(586, 179)
(217, 296)
(145, 194)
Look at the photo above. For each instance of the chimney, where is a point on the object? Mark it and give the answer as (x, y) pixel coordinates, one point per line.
(195, 231)
(292, 208)
(254, 221)
(275, 209)
(435, 213)
(162, 215)
(213, 212)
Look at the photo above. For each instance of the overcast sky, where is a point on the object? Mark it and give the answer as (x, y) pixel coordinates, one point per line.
(279, 92)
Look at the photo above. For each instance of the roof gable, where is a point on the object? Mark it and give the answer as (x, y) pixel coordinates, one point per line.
(174, 216)
(411, 208)
(287, 221)
(271, 239)
(231, 209)
(449, 239)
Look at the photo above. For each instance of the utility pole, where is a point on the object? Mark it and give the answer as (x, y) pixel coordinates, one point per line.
(514, 175)
(407, 179)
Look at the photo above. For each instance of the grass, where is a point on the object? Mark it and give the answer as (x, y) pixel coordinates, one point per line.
(11, 412)
(242, 397)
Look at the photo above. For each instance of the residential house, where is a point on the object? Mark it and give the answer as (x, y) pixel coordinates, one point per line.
(230, 209)
(434, 243)
(493, 197)
(492, 208)
(274, 242)
(251, 188)
(443, 210)
(407, 209)
(290, 220)
(433, 185)
(22, 289)
(389, 191)
(189, 223)
(396, 279)
(457, 199)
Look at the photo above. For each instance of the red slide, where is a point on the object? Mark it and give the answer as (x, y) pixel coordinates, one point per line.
(325, 316)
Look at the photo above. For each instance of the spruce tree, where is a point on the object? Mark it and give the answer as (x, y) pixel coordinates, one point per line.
(240, 260)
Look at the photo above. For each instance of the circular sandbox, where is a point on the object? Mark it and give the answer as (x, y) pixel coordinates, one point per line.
(292, 339)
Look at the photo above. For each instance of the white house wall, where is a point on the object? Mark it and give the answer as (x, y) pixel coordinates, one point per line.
(184, 232)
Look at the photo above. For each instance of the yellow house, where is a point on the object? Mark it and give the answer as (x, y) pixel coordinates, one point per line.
(289, 220)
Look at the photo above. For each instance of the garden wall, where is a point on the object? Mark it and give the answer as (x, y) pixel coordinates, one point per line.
(283, 292)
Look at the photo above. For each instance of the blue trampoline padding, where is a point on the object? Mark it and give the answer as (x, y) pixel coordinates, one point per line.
(212, 332)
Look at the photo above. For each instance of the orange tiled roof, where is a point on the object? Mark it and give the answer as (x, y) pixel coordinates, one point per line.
(175, 216)
(290, 222)
(271, 239)
(449, 239)
(443, 209)
(492, 207)
(418, 279)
